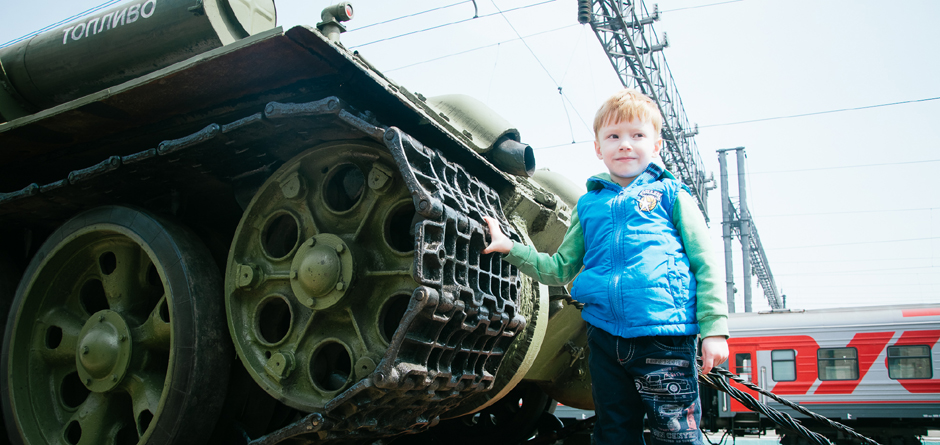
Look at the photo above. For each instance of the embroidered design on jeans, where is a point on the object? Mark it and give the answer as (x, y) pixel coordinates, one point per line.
(661, 384)
(667, 362)
(648, 200)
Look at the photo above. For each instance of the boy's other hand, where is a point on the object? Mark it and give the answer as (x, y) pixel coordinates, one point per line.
(714, 352)
(500, 242)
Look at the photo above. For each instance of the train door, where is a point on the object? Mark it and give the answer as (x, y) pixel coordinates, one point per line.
(783, 364)
(741, 361)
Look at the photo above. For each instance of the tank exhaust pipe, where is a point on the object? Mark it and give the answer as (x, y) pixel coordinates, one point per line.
(331, 17)
(513, 157)
(488, 133)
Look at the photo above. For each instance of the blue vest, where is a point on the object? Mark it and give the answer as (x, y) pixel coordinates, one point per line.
(636, 280)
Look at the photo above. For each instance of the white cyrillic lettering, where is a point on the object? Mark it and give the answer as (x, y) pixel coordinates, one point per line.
(143, 9)
(78, 31)
(106, 19)
(119, 18)
(65, 37)
(132, 14)
(92, 27)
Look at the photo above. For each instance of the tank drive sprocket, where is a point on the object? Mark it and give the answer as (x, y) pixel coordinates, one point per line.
(355, 289)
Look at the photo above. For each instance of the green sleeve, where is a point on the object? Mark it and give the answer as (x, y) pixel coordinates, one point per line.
(712, 307)
(554, 270)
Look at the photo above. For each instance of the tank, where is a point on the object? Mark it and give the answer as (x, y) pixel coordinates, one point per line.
(213, 230)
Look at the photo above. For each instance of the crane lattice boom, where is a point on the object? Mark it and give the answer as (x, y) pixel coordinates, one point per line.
(625, 29)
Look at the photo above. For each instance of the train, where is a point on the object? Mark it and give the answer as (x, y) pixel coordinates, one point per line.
(215, 230)
(875, 369)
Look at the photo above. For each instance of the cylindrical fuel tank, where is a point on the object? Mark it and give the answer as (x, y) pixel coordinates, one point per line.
(117, 45)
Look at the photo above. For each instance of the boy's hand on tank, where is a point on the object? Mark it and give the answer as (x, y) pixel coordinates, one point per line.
(714, 352)
(499, 241)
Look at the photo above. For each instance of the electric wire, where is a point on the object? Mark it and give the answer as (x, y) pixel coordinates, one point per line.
(856, 243)
(839, 286)
(450, 23)
(845, 212)
(863, 271)
(573, 52)
(562, 145)
(408, 16)
(548, 73)
(701, 6)
(563, 76)
(882, 164)
(816, 113)
(476, 49)
(60, 22)
(492, 74)
(716, 379)
(537, 59)
(855, 261)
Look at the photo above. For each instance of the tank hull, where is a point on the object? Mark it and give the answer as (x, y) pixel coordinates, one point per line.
(264, 149)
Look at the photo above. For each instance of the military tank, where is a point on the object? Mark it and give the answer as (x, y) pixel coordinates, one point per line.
(218, 231)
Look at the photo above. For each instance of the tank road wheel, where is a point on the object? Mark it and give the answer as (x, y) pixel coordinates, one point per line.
(320, 272)
(116, 336)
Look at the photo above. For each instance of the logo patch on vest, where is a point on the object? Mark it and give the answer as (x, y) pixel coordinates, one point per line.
(648, 200)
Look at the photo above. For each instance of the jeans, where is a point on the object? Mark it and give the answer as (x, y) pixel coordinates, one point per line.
(652, 376)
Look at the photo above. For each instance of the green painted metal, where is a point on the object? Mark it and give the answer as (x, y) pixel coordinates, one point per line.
(320, 269)
(102, 347)
(319, 272)
(120, 44)
(561, 368)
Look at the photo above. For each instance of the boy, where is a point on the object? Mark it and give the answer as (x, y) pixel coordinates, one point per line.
(649, 283)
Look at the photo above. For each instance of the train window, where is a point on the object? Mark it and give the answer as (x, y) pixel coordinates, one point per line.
(909, 362)
(838, 364)
(783, 365)
(742, 366)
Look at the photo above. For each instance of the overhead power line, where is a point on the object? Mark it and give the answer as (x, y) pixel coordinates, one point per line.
(882, 164)
(547, 73)
(566, 144)
(860, 242)
(846, 212)
(477, 48)
(408, 16)
(819, 112)
(854, 261)
(701, 6)
(450, 23)
(892, 285)
(865, 271)
(60, 22)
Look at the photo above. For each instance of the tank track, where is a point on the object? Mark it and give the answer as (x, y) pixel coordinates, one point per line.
(460, 320)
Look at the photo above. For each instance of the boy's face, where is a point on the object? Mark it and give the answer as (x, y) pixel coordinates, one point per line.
(627, 148)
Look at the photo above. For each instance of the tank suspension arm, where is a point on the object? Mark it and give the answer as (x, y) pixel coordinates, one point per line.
(312, 423)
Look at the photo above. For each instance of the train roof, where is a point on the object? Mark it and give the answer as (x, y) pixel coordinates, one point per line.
(858, 317)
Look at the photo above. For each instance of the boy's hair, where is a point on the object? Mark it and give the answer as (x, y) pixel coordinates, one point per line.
(626, 105)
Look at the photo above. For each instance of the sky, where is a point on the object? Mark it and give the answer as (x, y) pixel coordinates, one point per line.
(834, 101)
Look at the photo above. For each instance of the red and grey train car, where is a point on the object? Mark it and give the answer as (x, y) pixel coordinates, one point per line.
(875, 369)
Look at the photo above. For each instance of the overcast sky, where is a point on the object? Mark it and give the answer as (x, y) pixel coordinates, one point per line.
(846, 202)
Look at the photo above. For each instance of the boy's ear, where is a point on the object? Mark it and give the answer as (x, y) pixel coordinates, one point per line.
(597, 149)
(658, 147)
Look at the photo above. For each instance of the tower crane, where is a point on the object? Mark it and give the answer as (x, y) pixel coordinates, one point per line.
(625, 30)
